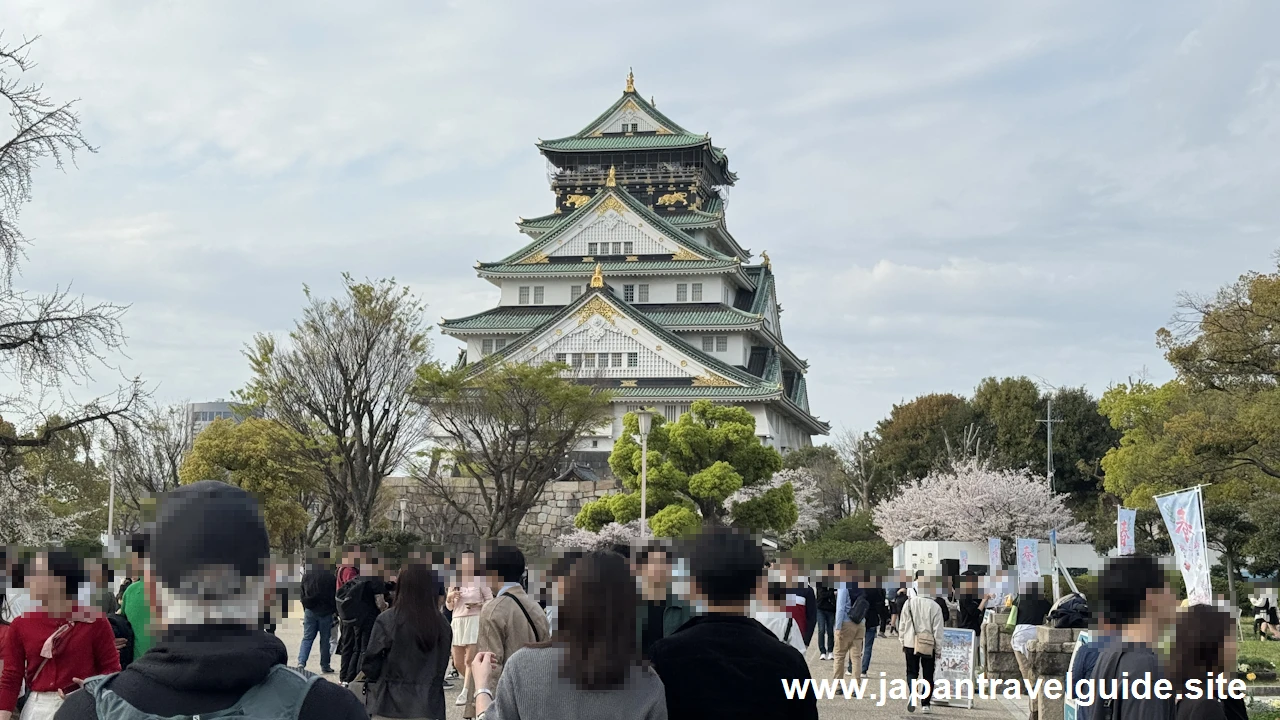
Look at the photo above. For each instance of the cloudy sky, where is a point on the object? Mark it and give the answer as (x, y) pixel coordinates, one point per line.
(948, 190)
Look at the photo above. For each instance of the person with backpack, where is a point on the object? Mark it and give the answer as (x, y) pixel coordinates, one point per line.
(592, 668)
(826, 600)
(408, 651)
(1135, 597)
(358, 603)
(920, 626)
(511, 620)
(319, 605)
(60, 641)
(852, 605)
(208, 572)
(775, 615)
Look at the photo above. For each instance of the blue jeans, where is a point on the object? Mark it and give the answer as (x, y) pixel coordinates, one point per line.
(311, 622)
(826, 631)
(867, 644)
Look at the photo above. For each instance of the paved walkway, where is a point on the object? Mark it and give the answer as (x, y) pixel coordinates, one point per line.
(886, 658)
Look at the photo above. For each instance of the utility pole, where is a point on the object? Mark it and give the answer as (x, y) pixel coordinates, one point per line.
(1048, 421)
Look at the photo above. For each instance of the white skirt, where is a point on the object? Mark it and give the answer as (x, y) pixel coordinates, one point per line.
(466, 630)
(41, 706)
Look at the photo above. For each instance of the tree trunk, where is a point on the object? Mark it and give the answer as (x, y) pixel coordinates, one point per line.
(1231, 578)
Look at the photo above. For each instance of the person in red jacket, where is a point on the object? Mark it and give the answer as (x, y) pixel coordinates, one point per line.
(57, 646)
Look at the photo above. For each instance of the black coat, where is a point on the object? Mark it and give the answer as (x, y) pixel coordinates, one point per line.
(198, 669)
(319, 588)
(730, 666)
(875, 606)
(406, 679)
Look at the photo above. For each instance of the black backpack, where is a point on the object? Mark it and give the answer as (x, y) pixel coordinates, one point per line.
(1108, 668)
(350, 600)
(858, 608)
(1072, 611)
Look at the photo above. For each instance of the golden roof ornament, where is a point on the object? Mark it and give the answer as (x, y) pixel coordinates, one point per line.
(767, 263)
(612, 180)
(597, 278)
(631, 81)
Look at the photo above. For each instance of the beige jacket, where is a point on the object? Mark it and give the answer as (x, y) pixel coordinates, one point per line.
(504, 630)
(920, 614)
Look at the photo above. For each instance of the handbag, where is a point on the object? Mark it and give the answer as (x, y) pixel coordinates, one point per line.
(924, 640)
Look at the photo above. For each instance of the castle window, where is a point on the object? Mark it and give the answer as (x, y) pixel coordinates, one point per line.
(628, 248)
(617, 248)
(633, 359)
(617, 359)
(524, 294)
(644, 292)
(682, 292)
(499, 344)
(538, 294)
(604, 360)
(575, 292)
(708, 343)
(697, 292)
(722, 343)
(486, 347)
(589, 360)
(592, 247)
(575, 360)
(562, 358)
(629, 293)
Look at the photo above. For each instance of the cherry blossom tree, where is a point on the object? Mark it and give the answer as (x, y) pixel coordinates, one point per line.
(808, 500)
(971, 502)
(610, 536)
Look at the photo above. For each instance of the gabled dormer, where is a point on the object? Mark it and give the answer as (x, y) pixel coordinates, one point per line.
(656, 160)
(615, 226)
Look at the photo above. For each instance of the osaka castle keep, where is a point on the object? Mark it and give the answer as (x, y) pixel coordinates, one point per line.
(635, 282)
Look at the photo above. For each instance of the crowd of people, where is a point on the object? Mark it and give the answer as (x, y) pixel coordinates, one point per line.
(619, 634)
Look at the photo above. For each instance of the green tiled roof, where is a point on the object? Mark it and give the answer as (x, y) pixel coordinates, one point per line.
(524, 318)
(609, 268)
(672, 232)
(625, 142)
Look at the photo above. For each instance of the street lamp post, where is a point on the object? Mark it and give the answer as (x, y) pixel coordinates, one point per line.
(645, 419)
(403, 505)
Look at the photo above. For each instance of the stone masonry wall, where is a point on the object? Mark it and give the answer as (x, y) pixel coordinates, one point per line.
(552, 517)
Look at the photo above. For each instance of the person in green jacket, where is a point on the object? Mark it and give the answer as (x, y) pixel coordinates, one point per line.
(661, 611)
(135, 605)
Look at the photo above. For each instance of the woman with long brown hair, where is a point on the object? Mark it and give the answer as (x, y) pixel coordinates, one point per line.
(591, 668)
(408, 651)
(1204, 647)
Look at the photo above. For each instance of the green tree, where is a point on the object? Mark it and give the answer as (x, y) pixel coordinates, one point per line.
(508, 429)
(834, 486)
(69, 479)
(266, 459)
(1008, 412)
(342, 382)
(913, 439)
(695, 465)
(1080, 441)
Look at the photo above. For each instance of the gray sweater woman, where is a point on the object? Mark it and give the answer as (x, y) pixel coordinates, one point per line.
(531, 688)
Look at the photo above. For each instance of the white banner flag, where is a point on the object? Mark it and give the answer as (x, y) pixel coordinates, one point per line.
(964, 561)
(1028, 560)
(1183, 514)
(993, 555)
(1125, 519)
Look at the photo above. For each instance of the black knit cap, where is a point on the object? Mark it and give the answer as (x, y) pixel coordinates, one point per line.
(208, 524)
